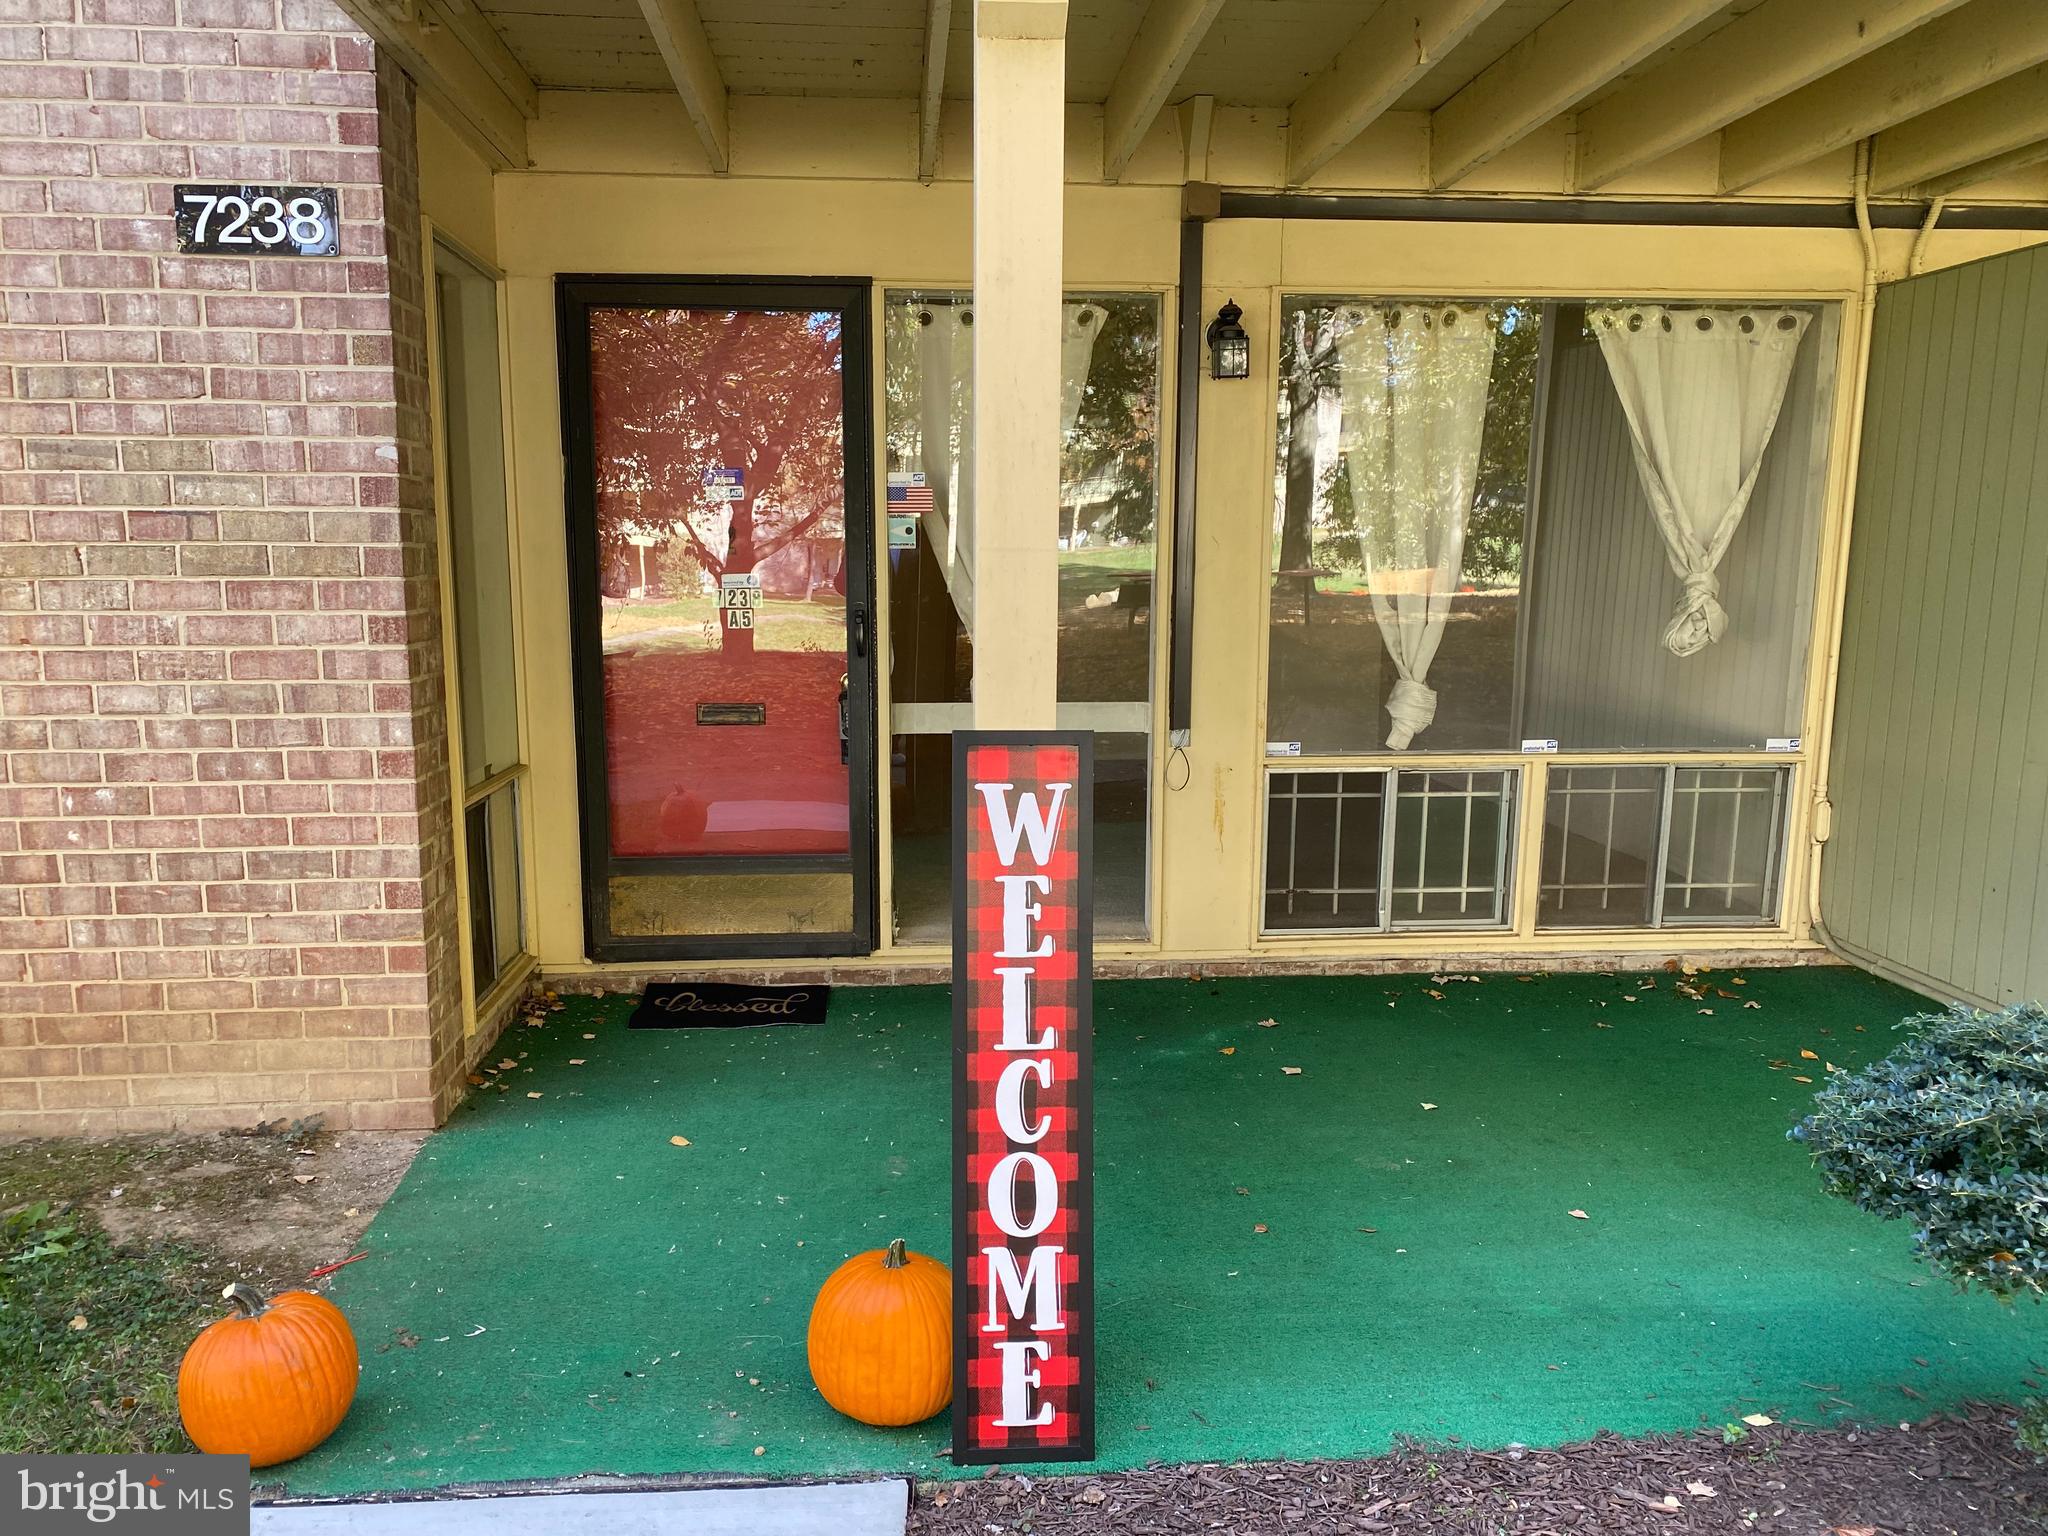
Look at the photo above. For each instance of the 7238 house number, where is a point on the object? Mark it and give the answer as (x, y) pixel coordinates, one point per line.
(246, 221)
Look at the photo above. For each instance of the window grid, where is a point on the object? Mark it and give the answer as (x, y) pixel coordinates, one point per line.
(1370, 787)
(1754, 792)
(1574, 795)
(1379, 794)
(1465, 787)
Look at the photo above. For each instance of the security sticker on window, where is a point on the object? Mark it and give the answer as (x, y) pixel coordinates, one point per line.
(139, 1495)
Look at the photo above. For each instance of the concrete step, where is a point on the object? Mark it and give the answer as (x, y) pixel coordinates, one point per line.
(810, 1509)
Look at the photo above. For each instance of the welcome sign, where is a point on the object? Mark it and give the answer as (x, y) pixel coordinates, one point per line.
(1023, 1137)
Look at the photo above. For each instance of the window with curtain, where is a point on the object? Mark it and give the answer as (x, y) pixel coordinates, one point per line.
(1399, 501)
(484, 692)
(1110, 359)
(1584, 526)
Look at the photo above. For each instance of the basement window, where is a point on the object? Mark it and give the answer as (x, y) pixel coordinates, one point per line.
(1374, 850)
(1662, 847)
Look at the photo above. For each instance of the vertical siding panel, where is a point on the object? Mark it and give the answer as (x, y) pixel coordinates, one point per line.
(1940, 777)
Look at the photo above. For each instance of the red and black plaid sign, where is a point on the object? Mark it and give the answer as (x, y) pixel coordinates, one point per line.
(1023, 1139)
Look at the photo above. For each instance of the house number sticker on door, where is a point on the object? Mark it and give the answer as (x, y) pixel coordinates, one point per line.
(250, 220)
(739, 595)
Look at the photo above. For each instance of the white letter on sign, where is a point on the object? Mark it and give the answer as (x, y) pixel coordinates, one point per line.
(1017, 1013)
(1018, 910)
(1002, 1194)
(1018, 1380)
(1010, 1098)
(1040, 830)
(1035, 1289)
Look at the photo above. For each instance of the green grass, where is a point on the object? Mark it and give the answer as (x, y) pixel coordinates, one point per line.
(556, 1288)
(110, 1384)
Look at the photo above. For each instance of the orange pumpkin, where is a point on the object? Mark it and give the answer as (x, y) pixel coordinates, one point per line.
(271, 1380)
(881, 1337)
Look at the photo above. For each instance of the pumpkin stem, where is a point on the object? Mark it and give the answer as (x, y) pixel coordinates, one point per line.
(247, 1299)
(895, 1258)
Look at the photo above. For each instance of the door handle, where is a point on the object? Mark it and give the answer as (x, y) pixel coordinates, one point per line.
(859, 617)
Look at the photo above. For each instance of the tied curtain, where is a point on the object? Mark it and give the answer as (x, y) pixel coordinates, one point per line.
(1413, 381)
(945, 386)
(1702, 388)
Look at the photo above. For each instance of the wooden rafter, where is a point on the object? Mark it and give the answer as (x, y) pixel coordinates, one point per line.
(1984, 126)
(679, 35)
(931, 101)
(1167, 38)
(1977, 46)
(1761, 56)
(1399, 44)
(2024, 158)
(1577, 51)
(487, 106)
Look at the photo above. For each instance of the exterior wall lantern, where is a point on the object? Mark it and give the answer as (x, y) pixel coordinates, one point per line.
(1230, 349)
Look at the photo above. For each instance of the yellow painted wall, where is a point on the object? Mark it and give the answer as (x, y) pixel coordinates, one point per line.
(456, 192)
(829, 190)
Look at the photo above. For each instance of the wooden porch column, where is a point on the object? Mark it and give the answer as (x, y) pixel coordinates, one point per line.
(1019, 159)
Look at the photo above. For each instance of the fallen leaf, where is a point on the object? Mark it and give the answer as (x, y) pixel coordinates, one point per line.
(760, 1450)
(575, 1061)
(1259, 1226)
(1228, 1050)
(679, 1141)
(1581, 1215)
(1706, 1010)
(1700, 1490)
(304, 1178)
(1806, 1055)
(1752, 1003)
(1427, 1105)
(1269, 1023)
(1852, 1530)
(590, 1037)
(1369, 1229)
(1242, 1190)
(534, 1094)
(79, 1324)
(1798, 1079)
(475, 1080)
(1432, 991)
(1758, 1420)
(1090, 1495)
(350, 1211)
(507, 1064)
(1291, 1071)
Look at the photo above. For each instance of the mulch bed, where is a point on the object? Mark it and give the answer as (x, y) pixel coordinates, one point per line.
(1944, 1475)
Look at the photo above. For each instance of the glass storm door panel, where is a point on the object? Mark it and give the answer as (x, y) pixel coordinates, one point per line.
(719, 467)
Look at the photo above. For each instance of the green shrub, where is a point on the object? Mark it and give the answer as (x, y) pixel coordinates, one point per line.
(1950, 1133)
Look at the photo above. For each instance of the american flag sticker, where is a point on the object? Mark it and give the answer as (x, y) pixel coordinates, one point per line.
(1023, 1130)
(908, 494)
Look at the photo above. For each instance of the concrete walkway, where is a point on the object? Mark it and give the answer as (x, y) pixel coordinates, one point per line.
(815, 1509)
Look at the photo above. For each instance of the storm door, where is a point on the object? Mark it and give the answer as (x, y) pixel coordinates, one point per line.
(717, 439)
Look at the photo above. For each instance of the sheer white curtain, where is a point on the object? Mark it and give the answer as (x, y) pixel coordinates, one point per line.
(1413, 380)
(946, 425)
(1702, 388)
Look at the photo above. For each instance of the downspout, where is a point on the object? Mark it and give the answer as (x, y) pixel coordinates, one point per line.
(1866, 321)
(1917, 263)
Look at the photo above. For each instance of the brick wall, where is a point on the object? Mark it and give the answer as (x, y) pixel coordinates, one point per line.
(225, 854)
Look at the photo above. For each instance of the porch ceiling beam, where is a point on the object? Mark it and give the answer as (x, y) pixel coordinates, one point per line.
(1982, 126)
(1395, 48)
(931, 101)
(1167, 38)
(1763, 55)
(471, 25)
(2024, 158)
(1577, 51)
(434, 50)
(679, 34)
(1978, 46)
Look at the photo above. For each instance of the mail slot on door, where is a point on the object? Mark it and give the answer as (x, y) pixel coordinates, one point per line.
(732, 714)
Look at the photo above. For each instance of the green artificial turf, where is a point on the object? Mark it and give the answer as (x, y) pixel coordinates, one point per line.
(556, 1288)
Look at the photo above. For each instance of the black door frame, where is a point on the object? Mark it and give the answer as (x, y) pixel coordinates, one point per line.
(576, 294)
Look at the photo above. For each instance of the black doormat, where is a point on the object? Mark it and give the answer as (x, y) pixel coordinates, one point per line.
(726, 1005)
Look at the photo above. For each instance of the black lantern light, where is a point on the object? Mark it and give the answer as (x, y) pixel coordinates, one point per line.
(1230, 349)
